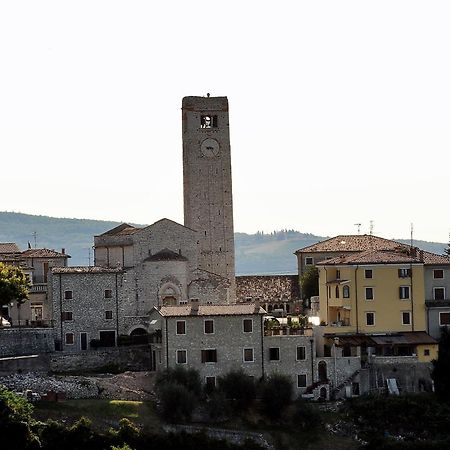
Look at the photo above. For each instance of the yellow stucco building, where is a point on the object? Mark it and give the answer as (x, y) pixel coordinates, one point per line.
(378, 293)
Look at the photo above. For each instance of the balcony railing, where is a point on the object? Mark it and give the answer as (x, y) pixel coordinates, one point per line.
(42, 287)
(25, 323)
(288, 331)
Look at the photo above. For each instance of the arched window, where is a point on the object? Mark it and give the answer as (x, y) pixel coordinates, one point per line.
(346, 291)
(322, 369)
(337, 291)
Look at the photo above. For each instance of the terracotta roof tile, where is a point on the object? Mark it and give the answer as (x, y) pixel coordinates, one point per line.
(374, 257)
(43, 253)
(434, 259)
(85, 269)
(352, 243)
(9, 247)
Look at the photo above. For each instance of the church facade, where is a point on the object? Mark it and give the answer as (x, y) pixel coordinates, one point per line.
(163, 264)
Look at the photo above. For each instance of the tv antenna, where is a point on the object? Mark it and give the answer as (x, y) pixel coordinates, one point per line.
(34, 236)
(371, 227)
(359, 227)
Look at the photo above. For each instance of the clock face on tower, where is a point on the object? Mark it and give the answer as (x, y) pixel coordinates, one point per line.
(210, 148)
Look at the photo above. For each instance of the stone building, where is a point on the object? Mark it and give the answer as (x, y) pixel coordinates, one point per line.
(36, 263)
(276, 293)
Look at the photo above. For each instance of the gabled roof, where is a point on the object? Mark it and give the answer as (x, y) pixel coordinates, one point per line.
(168, 222)
(166, 255)
(43, 253)
(352, 243)
(375, 257)
(210, 310)
(121, 230)
(9, 247)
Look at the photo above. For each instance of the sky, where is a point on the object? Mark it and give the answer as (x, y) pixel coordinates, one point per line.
(339, 110)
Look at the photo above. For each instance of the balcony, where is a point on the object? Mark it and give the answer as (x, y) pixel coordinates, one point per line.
(436, 303)
(36, 288)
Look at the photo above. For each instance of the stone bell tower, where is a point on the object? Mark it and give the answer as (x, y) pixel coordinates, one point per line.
(208, 201)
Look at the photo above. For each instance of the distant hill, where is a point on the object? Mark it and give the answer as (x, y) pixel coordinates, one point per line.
(260, 253)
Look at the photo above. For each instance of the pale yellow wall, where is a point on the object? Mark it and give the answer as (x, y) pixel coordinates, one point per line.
(386, 305)
(433, 348)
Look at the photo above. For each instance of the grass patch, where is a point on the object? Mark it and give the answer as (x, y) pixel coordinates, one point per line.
(103, 413)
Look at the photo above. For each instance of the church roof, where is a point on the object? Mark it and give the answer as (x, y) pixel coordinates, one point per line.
(86, 269)
(166, 255)
(120, 230)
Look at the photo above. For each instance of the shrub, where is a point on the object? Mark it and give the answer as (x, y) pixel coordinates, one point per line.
(305, 417)
(177, 402)
(276, 395)
(239, 388)
(189, 378)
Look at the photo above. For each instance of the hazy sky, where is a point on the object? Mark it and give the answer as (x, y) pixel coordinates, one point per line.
(339, 110)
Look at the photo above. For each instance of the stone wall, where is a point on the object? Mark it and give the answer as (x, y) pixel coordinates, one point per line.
(26, 341)
(118, 358)
(267, 288)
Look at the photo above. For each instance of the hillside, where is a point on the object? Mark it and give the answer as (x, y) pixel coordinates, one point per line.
(258, 253)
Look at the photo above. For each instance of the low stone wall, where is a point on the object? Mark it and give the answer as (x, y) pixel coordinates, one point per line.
(119, 359)
(19, 364)
(26, 341)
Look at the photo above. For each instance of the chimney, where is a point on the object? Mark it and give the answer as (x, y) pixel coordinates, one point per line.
(257, 306)
(63, 251)
(194, 306)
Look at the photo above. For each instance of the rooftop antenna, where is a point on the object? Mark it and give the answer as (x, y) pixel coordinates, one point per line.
(34, 235)
(412, 233)
(371, 227)
(359, 227)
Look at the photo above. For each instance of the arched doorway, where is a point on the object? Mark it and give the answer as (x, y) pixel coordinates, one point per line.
(322, 369)
(323, 393)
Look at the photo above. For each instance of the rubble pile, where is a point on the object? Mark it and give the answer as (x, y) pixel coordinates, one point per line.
(73, 386)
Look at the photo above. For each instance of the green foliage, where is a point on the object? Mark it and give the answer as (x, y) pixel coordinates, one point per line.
(14, 407)
(309, 282)
(239, 388)
(14, 285)
(441, 368)
(177, 402)
(217, 406)
(122, 447)
(380, 417)
(304, 417)
(276, 395)
(189, 378)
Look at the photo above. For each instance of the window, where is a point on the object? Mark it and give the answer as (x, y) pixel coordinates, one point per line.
(208, 121)
(439, 293)
(181, 327)
(209, 356)
(248, 325)
(70, 338)
(426, 352)
(248, 355)
(368, 273)
(210, 383)
(338, 274)
(346, 292)
(301, 353)
(337, 291)
(438, 274)
(370, 318)
(209, 326)
(181, 357)
(444, 318)
(301, 380)
(309, 261)
(108, 315)
(369, 293)
(274, 353)
(406, 318)
(404, 292)
(404, 273)
(67, 315)
(108, 293)
(68, 295)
